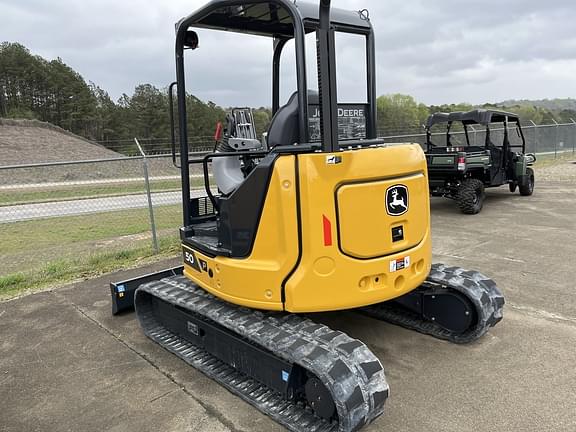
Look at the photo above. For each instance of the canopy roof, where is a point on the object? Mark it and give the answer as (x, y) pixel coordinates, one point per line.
(479, 116)
(269, 17)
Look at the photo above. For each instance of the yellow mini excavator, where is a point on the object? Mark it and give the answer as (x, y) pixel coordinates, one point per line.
(319, 216)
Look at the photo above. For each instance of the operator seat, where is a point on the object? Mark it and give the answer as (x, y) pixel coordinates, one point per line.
(284, 128)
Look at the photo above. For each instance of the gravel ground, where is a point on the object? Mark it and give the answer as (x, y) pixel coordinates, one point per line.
(563, 170)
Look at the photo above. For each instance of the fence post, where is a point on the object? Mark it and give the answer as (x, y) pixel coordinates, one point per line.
(149, 195)
(535, 136)
(555, 139)
(573, 135)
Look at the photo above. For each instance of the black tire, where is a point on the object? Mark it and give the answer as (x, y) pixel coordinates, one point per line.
(470, 196)
(527, 186)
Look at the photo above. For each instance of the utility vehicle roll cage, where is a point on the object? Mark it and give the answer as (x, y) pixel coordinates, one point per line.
(480, 117)
(281, 20)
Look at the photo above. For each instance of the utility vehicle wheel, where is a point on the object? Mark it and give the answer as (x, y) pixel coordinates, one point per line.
(527, 186)
(470, 197)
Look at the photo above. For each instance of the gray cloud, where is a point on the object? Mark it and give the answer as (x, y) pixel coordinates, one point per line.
(440, 51)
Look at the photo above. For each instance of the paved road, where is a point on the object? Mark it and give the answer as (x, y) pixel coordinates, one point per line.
(66, 184)
(67, 364)
(85, 206)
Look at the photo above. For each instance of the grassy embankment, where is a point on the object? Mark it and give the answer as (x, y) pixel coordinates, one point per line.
(43, 253)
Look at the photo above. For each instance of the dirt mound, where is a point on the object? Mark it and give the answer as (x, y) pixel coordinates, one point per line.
(32, 141)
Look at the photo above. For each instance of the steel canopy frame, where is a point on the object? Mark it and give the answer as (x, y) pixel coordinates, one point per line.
(182, 28)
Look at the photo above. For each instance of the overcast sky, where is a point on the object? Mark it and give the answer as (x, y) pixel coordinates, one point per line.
(439, 51)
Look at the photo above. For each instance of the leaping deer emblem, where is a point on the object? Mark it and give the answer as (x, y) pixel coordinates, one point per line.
(397, 201)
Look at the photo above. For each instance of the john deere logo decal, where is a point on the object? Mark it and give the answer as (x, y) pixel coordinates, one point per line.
(397, 200)
(333, 160)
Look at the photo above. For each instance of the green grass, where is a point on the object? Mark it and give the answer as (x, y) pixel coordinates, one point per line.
(35, 235)
(43, 253)
(93, 191)
(61, 271)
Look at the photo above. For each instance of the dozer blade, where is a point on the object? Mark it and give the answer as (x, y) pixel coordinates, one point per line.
(453, 304)
(304, 375)
(123, 292)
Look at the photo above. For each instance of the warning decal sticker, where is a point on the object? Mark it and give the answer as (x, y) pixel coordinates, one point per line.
(399, 264)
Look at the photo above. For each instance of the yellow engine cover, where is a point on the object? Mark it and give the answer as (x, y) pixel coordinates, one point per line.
(348, 258)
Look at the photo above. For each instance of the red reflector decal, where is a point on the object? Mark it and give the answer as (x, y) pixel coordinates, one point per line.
(218, 132)
(327, 231)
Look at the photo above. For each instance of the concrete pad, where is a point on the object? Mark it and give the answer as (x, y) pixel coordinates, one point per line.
(67, 364)
(518, 378)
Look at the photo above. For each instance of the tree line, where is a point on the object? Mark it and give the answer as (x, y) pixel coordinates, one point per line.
(402, 114)
(34, 88)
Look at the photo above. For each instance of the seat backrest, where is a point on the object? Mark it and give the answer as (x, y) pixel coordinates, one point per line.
(284, 128)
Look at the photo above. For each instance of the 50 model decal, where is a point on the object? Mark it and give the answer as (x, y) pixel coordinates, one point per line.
(190, 258)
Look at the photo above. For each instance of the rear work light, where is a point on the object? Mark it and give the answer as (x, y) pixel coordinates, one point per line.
(461, 163)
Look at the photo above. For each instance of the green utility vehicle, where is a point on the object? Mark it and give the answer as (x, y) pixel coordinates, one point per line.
(462, 170)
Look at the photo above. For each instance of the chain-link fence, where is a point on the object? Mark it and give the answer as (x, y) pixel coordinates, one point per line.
(132, 200)
(156, 146)
(65, 210)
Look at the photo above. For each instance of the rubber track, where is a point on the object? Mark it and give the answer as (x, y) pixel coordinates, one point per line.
(479, 289)
(351, 372)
